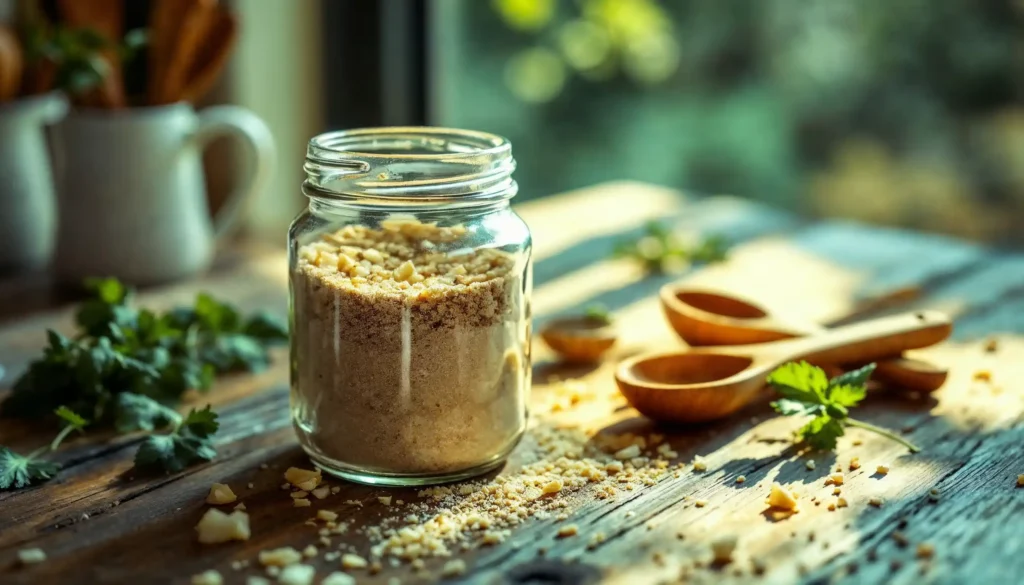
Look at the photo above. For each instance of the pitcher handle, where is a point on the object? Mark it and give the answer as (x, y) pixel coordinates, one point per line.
(219, 120)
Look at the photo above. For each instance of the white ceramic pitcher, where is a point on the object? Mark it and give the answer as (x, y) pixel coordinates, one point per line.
(28, 218)
(132, 198)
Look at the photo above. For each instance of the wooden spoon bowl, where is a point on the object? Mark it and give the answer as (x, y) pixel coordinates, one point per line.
(579, 339)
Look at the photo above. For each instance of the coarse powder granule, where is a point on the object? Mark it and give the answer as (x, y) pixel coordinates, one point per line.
(408, 359)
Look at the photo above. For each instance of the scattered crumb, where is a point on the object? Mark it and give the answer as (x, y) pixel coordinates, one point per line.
(722, 549)
(831, 507)
(925, 550)
(251, 485)
(882, 469)
(220, 493)
(286, 486)
(628, 453)
(835, 479)
(933, 494)
(841, 503)
(273, 571)
(354, 503)
(339, 578)
(453, 568)
(992, 345)
(321, 492)
(310, 551)
(301, 503)
(810, 464)
(596, 539)
(837, 491)
(386, 500)
(335, 489)
(699, 463)
(1020, 480)
(209, 577)
(741, 478)
(297, 575)
(900, 538)
(857, 442)
(552, 487)
(240, 506)
(492, 537)
(700, 503)
(279, 557)
(299, 494)
(31, 556)
(567, 530)
(216, 526)
(782, 498)
(983, 376)
(854, 463)
(327, 515)
(351, 561)
(304, 479)
(876, 501)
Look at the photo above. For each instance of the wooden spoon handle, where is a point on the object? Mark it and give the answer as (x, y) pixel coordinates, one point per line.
(212, 56)
(869, 340)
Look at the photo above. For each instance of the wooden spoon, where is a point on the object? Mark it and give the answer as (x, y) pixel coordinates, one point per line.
(212, 56)
(708, 383)
(579, 339)
(704, 317)
(198, 20)
(11, 64)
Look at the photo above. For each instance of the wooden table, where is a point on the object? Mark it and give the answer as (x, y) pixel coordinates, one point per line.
(100, 523)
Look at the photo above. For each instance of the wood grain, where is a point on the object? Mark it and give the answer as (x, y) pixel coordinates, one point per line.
(139, 529)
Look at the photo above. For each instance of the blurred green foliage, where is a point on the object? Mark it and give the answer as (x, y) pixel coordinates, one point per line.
(909, 112)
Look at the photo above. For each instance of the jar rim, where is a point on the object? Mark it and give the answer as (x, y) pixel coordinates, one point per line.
(332, 146)
(410, 165)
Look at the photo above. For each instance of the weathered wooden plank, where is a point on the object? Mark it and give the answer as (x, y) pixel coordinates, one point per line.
(968, 429)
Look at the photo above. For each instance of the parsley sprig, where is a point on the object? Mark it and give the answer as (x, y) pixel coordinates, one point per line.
(807, 391)
(659, 250)
(128, 368)
(18, 471)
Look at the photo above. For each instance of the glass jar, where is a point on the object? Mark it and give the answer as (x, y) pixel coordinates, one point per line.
(410, 306)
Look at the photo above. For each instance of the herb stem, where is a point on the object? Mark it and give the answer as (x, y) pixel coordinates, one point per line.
(61, 436)
(884, 432)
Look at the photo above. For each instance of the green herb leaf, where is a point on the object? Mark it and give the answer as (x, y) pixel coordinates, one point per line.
(201, 423)
(858, 377)
(190, 443)
(598, 313)
(806, 391)
(69, 416)
(846, 395)
(18, 471)
(659, 250)
(822, 432)
(800, 381)
(136, 412)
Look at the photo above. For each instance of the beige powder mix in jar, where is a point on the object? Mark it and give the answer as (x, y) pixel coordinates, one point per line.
(408, 360)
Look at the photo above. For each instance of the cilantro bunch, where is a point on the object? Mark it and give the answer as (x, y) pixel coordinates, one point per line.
(660, 251)
(128, 368)
(806, 391)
